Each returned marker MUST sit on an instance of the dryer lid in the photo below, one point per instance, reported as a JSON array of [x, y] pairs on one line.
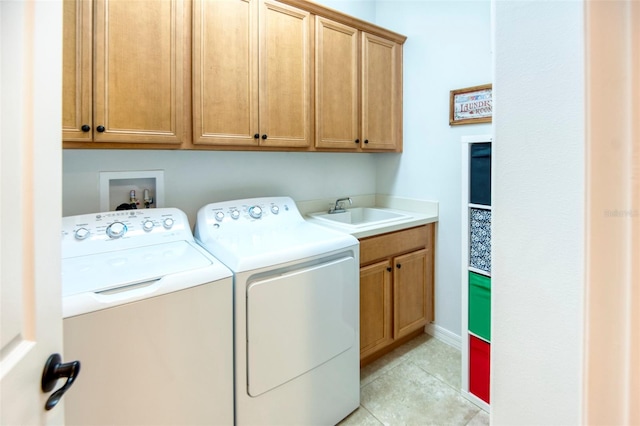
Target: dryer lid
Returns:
[[247, 251]]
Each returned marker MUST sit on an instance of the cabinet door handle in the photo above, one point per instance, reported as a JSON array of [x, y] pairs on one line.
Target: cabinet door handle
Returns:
[[398, 265], [256, 136], [85, 128], [389, 268], [366, 141], [100, 129], [357, 140], [264, 136]]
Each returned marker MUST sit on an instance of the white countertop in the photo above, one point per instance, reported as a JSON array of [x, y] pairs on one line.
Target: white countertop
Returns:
[[419, 212]]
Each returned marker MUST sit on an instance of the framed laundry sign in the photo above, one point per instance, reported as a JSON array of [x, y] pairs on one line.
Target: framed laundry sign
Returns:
[[470, 105]]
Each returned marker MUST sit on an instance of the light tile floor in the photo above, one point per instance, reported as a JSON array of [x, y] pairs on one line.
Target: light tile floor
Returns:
[[416, 384]]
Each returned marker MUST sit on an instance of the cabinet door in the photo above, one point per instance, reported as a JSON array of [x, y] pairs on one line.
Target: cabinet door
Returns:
[[381, 93], [336, 85], [285, 75], [375, 308], [412, 304], [77, 57], [225, 72], [141, 90]]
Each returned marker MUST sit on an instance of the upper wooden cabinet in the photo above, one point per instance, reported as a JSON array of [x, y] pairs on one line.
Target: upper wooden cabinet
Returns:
[[358, 89], [252, 74], [337, 85], [127, 72], [381, 93], [288, 75]]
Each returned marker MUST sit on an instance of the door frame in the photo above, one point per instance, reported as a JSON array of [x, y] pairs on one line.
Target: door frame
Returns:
[[611, 349]]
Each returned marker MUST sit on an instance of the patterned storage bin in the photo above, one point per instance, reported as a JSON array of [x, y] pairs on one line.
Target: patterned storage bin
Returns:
[[480, 239]]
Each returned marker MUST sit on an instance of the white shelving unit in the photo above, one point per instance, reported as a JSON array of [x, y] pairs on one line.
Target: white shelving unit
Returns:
[[466, 266]]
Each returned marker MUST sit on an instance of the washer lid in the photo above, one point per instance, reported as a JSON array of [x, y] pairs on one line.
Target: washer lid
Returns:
[[107, 271]]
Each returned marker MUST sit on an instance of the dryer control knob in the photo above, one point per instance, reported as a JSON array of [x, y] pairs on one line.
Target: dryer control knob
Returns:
[[275, 209], [167, 223], [219, 216], [81, 233], [235, 214], [116, 230], [255, 212], [147, 225]]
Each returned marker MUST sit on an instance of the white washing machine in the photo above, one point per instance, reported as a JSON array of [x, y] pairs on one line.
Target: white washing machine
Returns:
[[297, 342], [149, 315]]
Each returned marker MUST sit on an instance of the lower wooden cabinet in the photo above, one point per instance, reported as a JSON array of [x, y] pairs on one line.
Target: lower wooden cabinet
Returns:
[[396, 289]]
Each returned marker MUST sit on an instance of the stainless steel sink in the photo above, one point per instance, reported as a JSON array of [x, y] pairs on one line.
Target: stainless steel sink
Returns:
[[359, 217]]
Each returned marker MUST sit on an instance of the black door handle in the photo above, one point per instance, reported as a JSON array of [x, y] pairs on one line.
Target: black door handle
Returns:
[[54, 369], [398, 265]]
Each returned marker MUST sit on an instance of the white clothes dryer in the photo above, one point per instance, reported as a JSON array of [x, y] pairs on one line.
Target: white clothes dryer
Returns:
[[149, 314], [296, 289]]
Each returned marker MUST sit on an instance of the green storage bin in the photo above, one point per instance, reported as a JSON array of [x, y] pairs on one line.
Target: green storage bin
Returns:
[[480, 305]]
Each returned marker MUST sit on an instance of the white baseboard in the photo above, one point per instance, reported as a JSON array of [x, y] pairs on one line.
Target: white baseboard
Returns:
[[444, 335], [477, 401]]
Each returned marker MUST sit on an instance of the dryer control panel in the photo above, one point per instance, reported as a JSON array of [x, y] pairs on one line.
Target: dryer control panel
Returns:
[[237, 215]]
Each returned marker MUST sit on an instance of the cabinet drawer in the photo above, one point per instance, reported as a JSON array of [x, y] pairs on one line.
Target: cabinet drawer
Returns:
[[382, 246]]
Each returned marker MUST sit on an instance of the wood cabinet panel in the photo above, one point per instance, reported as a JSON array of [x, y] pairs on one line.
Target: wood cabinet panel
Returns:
[[336, 83], [225, 73], [378, 247], [376, 319], [410, 292], [381, 93], [139, 90], [285, 75], [77, 75]]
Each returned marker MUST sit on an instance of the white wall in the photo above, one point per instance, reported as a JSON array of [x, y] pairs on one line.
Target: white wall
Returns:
[[362, 9], [195, 178], [448, 47], [538, 213]]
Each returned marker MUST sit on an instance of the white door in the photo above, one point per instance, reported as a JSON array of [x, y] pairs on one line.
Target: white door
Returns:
[[30, 206]]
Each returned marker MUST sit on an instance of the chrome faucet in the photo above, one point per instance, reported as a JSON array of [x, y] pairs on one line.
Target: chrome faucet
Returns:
[[339, 207]]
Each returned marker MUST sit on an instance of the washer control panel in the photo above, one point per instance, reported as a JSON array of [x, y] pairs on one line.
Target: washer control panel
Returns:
[[88, 233]]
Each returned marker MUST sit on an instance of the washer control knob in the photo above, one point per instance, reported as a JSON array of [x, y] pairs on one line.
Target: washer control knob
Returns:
[[275, 209], [147, 225], [219, 216], [255, 212], [81, 233], [116, 230], [235, 214], [167, 223]]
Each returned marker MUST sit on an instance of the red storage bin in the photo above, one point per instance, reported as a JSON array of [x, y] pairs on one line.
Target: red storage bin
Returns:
[[479, 368]]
